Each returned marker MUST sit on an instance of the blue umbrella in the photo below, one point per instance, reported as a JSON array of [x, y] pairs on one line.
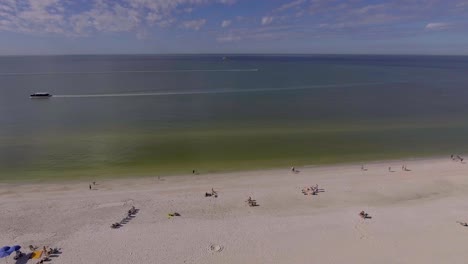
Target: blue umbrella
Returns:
[[13, 249], [4, 252]]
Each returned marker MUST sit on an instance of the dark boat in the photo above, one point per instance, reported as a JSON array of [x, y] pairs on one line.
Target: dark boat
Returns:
[[40, 95]]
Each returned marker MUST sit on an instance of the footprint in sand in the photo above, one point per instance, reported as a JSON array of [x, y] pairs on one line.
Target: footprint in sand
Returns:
[[216, 248]]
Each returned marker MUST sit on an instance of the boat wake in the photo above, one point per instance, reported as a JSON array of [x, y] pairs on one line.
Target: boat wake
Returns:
[[220, 91], [119, 72]]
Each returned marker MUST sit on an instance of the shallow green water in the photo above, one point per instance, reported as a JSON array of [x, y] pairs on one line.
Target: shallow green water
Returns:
[[284, 111]]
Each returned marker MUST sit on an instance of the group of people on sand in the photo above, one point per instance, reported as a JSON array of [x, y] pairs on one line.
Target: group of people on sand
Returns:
[[212, 193], [294, 170], [403, 168], [251, 202], [364, 215], [456, 158], [91, 186], [130, 213], [46, 252], [314, 190]]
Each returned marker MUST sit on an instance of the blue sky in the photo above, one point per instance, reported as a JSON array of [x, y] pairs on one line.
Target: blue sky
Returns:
[[233, 26]]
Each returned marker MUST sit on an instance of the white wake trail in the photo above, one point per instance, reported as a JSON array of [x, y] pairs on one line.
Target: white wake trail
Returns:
[[218, 91], [117, 72]]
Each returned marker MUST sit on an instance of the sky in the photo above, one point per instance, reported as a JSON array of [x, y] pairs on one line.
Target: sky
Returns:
[[233, 26]]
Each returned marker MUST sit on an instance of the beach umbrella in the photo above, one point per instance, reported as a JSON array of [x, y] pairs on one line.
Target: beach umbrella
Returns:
[[13, 249], [5, 252]]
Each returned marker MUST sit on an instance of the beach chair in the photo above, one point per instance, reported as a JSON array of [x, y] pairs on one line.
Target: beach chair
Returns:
[[364, 215], [173, 214], [116, 225], [253, 203]]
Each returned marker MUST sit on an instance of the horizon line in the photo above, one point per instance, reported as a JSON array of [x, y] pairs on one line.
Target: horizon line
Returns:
[[233, 54]]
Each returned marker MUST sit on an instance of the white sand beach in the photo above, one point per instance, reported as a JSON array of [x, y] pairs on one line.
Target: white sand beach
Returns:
[[414, 216]]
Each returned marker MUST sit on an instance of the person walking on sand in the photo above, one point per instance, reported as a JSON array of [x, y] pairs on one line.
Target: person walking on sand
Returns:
[[390, 169], [90, 186]]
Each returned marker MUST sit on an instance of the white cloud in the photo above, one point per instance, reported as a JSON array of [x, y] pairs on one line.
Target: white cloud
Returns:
[[228, 38], [437, 26], [265, 33], [106, 18], [226, 23], [140, 17], [194, 24], [227, 2], [61, 17], [35, 15], [266, 20], [290, 5]]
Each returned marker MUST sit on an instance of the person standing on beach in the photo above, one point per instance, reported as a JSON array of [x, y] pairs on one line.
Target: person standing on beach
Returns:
[[90, 186]]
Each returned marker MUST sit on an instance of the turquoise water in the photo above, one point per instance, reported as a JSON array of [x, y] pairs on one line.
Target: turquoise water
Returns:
[[132, 115]]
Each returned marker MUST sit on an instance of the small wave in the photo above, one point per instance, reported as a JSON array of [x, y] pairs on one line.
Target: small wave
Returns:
[[116, 72], [221, 91]]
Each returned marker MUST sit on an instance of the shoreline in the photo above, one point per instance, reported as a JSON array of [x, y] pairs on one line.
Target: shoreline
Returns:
[[136, 176]]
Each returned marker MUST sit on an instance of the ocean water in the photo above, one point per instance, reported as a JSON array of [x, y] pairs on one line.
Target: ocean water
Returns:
[[158, 115]]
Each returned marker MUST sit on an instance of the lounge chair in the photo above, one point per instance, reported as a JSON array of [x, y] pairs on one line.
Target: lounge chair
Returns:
[[173, 214], [253, 203], [364, 215], [250, 200], [116, 225], [53, 251]]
